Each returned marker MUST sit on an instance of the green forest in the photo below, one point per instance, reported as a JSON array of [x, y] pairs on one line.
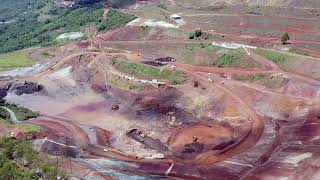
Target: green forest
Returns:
[[43, 21], [19, 161]]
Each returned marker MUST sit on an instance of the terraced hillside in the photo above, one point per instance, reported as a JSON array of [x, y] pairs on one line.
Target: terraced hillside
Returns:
[[162, 89]]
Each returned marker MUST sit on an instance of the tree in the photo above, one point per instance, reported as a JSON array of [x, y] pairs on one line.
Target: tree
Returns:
[[285, 37], [196, 34]]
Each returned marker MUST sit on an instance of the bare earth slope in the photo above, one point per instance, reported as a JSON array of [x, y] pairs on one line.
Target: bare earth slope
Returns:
[[293, 3], [276, 3]]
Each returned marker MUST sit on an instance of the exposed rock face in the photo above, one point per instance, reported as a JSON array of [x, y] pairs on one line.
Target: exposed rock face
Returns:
[[19, 88], [59, 149], [147, 141], [24, 88], [3, 93], [165, 59]]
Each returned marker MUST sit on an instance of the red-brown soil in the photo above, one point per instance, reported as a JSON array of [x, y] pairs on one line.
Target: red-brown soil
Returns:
[[224, 128]]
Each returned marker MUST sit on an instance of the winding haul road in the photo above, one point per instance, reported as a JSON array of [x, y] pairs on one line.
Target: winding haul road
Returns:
[[204, 158], [68, 128]]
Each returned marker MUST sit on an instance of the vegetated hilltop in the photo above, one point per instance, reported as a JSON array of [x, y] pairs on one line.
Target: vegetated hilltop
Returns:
[[11, 9], [40, 22], [20, 161], [112, 3], [122, 3]]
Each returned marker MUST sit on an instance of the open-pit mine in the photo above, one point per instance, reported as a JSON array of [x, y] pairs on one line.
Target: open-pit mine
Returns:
[[186, 90]]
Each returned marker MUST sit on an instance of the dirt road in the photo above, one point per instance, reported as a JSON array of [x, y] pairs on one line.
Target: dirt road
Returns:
[[251, 138]]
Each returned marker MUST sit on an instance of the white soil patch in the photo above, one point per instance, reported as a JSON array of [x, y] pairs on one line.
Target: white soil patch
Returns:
[[33, 70], [151, 23], [52, 104], [64, 75], [71, 35], [232, 45], [134, 22], [295, 159], [178, 19]]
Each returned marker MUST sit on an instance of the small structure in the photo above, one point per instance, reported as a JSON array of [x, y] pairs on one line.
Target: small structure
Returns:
[[196, 84], [178, 19], [194, 139], [173, 67], [115, 107], [141, 134], [66, 3], [225, 76], [155, 63], [166, 59], [26, 88], [175, 17]]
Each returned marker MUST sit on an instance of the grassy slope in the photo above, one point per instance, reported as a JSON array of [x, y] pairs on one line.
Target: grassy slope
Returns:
[[15, 59], [149, 72], [279, 59], [304, 52], [21, 112], [297, 63], [251, 77], [29, 127], [235, 58], [25, 127], [22, 115], [122, 83], [115, 19]]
